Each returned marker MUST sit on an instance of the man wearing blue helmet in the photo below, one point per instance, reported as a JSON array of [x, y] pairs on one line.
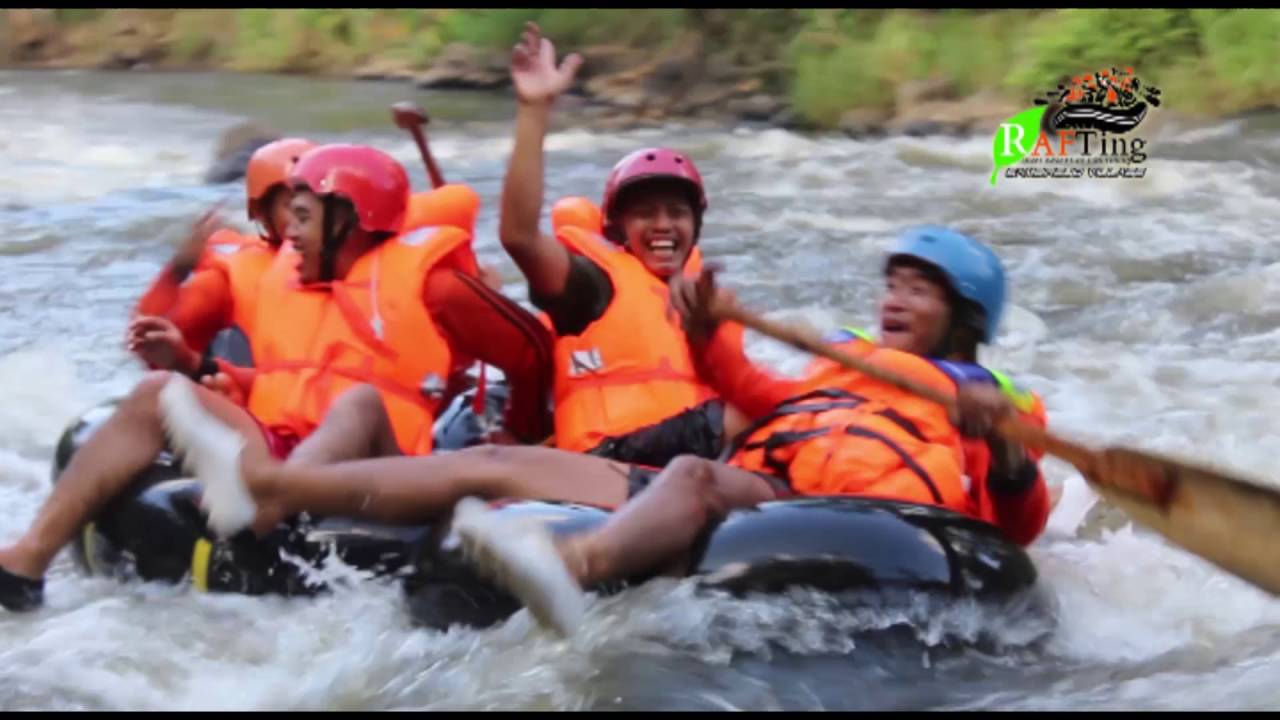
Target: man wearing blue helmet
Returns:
[[833, 432], [967, 272]]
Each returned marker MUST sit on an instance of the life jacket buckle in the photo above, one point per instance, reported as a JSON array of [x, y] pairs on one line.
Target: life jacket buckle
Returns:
[[432, 387]]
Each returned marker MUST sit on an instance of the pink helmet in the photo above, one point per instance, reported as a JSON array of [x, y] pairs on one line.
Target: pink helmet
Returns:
[[652, 164]]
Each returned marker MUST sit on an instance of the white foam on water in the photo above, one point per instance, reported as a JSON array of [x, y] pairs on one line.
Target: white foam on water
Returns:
[[93, 148]]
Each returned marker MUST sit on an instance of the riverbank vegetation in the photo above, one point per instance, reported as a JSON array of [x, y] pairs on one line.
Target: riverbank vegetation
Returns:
[[819, 65]]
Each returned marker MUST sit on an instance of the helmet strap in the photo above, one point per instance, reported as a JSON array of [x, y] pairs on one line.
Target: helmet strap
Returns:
[[262, 218], [271, 234], [268, 232], [964, 332], [334, 235], [613, 233]]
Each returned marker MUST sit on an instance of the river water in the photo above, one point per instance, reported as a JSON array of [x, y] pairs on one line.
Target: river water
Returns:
[[1146, 313]]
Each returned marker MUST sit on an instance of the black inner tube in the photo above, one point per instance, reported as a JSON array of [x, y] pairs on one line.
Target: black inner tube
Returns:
[[155, 531]]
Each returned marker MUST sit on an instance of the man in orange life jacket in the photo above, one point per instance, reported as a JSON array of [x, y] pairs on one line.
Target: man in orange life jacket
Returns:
[[178, 317], [211, 282], [625, 386], [835, 432], [351, 361]]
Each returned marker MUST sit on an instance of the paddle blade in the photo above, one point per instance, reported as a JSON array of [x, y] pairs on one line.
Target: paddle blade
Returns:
[[408, 115], [1228, 521]]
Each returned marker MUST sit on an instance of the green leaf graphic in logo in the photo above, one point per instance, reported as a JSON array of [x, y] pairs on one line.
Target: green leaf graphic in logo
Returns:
[[1015, 138]]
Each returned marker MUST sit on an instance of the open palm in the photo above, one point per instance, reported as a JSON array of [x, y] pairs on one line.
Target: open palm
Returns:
[[533, 68]]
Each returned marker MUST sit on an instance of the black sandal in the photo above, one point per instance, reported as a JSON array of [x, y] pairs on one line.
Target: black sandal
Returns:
[[20, 594]]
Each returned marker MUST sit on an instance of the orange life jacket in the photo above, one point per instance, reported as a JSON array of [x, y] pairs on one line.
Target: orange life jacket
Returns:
[[571, 212], [245, 260], [455, 205], [223, 243], [849, 434], [1032, 510], [370, 327], [579, 212], [629, 369], [576, 212]]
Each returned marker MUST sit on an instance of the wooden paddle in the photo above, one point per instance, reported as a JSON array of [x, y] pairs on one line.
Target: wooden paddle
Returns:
[[411, 117], [1231, 522]]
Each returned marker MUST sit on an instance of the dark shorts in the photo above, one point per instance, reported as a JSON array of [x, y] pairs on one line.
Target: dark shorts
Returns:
[[640, 477], [697, 431]]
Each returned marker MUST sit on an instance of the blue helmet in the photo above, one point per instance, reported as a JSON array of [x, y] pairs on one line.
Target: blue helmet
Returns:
[[974, 271]]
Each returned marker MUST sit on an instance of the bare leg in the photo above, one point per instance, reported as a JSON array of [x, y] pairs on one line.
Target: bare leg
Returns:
[[106, 465], [663, 521], [356, 426], [406, 490]]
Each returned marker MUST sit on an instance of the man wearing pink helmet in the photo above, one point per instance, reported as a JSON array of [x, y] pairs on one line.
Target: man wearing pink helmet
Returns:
[[625, 385]]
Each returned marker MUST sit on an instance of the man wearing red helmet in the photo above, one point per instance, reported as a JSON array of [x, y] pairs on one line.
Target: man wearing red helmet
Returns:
[[211, 282], [413, 343], [350, 359], [178, 317], [625, 385]]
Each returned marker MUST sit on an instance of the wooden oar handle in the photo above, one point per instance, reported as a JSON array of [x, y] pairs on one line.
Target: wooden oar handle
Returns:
[[411, 117], [811, 342], [433, 170], [1012, 427], [1028, 435]]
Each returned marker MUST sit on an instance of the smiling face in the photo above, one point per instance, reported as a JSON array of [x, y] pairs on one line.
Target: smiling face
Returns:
[[658, 222], [915, 311], [305, 232]]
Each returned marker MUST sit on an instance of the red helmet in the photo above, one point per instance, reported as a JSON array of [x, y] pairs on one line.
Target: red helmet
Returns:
[[375, 184], [651, 164], [269, 167]]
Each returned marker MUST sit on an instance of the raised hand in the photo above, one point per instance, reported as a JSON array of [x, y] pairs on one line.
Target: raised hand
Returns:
[[699, 301], [189, 252], [534, 74]]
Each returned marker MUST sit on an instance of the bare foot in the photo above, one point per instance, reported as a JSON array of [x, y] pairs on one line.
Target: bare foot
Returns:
[[573, 553], [1055, 496], [211, 450], [521, 557], [260, 473]]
